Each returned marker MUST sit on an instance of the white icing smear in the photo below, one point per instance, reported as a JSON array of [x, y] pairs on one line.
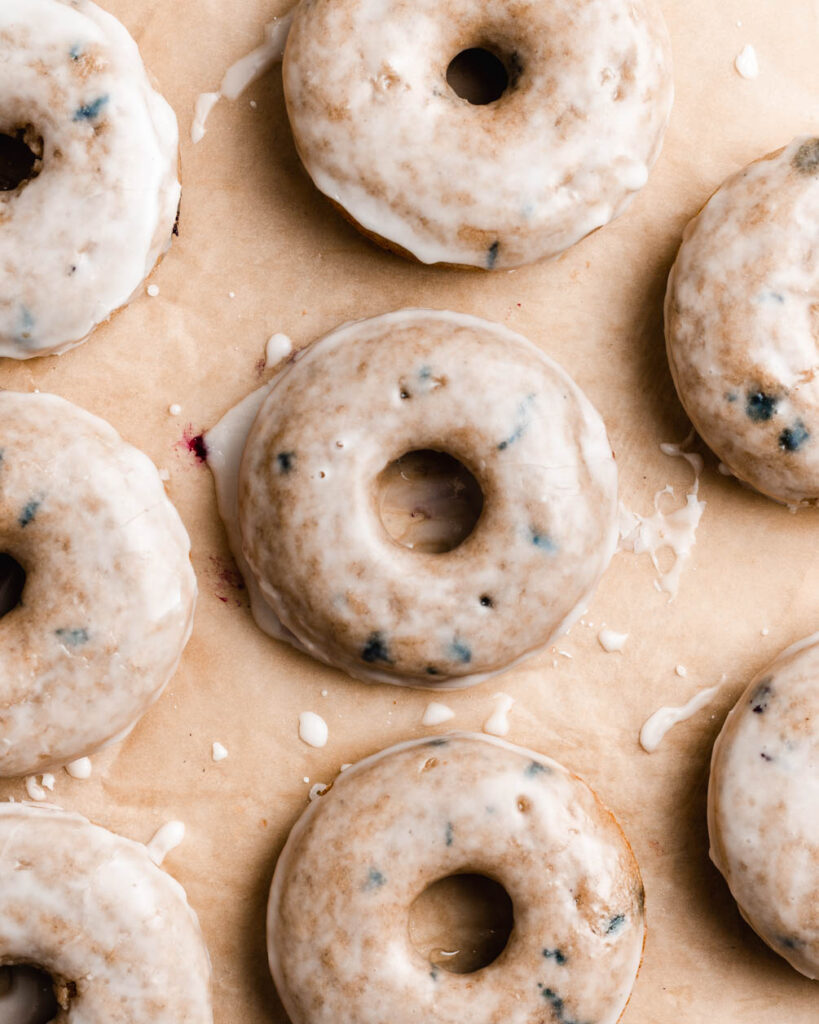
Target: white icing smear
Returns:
[[80, 769], [34, 789], [278, 347], [166, 838], [498, 722], [675, 530], [436, 713], [612, 641], [312, 729], [218, 752], [655, 727], [243, 73], [747, 63]]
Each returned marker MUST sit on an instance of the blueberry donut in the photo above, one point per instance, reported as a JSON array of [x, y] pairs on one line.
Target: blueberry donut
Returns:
[[763, 797], [576, 103], [394, 824], [370, 393], [114, 931], [88, 173], [96, 582], [742, 319]]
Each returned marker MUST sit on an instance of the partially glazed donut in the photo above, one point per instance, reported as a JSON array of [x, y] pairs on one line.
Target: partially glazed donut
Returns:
[[763, 805], [107, 605], [368, 394], [97, 150], [337, 925], [115, 932], [741, 321], [421, 169]]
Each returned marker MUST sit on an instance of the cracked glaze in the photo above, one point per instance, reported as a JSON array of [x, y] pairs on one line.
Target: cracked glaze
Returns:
[[338, 934], [763, 798], [560, 154], [92, 909], [77, 240], [109, 594], [417, 379], [742, 323]]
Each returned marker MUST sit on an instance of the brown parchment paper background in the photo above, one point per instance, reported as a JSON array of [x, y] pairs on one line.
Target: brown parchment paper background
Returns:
[[252, 224]]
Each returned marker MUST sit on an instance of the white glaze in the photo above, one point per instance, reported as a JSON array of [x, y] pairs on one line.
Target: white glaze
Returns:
[[611, 641], [498, 722], [243, 73], [338, 938], [657, 725], [747, 63], [91, 908], [741, 322], [166, 838], [109, 595], [551, 482], [560, 154], [763, 797], [436, 714], [218, 751], [80, 769], [78, 240], [675, 530], [313, 729]]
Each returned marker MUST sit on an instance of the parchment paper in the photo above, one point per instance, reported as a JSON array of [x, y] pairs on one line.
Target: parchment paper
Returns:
[[252, 224]]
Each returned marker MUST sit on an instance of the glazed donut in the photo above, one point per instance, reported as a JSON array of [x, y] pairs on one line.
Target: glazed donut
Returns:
[[741, 321], [435, 177], [90, 205], [115, 932], [763, 797], [369, 393], [337, 934], [107, 603]]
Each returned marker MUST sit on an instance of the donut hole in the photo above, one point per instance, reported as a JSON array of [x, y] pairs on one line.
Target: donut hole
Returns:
[[461, 923], [21, 158], [27, 995], [478, 76], [428, 501], [12, 581]]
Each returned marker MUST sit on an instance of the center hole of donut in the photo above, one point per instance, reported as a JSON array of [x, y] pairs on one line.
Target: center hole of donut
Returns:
[[478, 76], [428, 501], [27, 995], [12, 581], [21, 154], [461, 923]]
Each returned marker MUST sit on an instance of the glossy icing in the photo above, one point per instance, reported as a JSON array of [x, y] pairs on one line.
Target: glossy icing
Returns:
[[763, 798], [78, 240], [560, 154], [742, 317], [337, 926], [363, 396], [109, 593]]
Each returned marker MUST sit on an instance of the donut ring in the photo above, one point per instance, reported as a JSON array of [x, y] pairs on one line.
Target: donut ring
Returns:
[[762, 800], [425, 172], [97, 209], [741, 321], [90, 907], [393, 824], [417, 379], [108, 600]]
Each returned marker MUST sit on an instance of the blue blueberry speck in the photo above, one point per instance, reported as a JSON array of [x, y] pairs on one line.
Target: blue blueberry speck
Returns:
[[29, 512], [536, 768], [542, 540], [616, 923], [761, 696], [555, 954], [374, 880], [492, 255], [375, 649], [460, 652], [73, 637], [285, 460], [792, 438], [521, 423], [760, 407], [76, 51], [89, 111], [448, 834]]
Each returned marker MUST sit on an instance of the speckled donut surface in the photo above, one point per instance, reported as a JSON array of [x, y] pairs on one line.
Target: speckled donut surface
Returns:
[[109, 593], [763, 805], [742, 321], [559, 154], [418, 379], [77, 239], [338, 937], [90, 907]]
